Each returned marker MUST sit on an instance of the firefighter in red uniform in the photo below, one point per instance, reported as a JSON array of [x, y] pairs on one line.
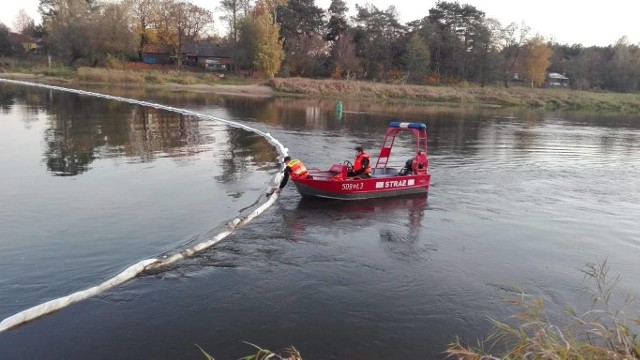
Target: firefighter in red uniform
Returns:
[[362, 164]]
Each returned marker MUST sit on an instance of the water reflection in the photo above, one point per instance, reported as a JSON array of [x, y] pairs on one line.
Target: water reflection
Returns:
[[452, 129], [245, 152], [401, 219], [81, 129], [6, 100]]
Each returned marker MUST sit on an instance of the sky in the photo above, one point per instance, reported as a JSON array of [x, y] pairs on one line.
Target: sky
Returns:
[[564, 21]]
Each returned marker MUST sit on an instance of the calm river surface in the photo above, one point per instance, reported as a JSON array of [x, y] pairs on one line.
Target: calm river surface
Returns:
[[89, 186]]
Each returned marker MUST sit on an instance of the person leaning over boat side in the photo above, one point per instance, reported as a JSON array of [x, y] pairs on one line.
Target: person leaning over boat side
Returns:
[[294, 168], [362, 164]]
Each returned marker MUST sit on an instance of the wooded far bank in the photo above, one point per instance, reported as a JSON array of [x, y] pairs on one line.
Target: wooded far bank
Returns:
[[453, 44]]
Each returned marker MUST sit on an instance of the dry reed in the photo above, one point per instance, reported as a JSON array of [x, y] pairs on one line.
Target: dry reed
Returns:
[[600, 333]]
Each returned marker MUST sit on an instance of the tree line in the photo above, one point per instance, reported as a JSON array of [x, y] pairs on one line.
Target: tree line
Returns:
[[454, 43]]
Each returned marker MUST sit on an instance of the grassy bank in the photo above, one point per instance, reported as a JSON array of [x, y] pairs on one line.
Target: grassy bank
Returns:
[[146, 76], [495, 95], [554, 99], [122, 75]]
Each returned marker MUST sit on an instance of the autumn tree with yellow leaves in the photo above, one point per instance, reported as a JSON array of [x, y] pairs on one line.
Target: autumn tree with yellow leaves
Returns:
[[269, 53], [537, 60]]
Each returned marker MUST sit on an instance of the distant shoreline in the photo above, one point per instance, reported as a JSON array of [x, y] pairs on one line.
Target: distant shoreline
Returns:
[[494, 96], [251, 90]]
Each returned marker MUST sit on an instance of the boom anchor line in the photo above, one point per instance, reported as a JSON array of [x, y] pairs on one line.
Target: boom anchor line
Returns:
[[153, 263]]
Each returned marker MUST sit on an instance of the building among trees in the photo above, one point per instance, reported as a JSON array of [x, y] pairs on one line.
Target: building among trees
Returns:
[[208, 56], [158, 54], [205, 55], [557, 80]]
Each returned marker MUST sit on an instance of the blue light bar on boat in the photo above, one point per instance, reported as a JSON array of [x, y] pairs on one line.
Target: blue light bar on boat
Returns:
[[406, 125]]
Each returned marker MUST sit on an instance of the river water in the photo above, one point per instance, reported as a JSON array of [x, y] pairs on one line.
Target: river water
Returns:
[[519, 199]]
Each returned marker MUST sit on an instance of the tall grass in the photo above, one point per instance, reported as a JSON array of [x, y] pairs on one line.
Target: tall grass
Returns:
[[144, 76], [553, 99], [56, 71], [600, 333], [109, 75]]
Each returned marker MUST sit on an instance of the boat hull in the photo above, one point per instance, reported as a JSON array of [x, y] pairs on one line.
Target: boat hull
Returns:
[[357, 189]]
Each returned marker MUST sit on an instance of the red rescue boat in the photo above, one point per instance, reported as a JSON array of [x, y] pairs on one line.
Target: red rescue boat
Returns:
[[413, 178]]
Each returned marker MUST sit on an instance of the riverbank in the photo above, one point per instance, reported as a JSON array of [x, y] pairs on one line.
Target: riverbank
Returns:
[[244, 89], [552, 99], [497, 96]]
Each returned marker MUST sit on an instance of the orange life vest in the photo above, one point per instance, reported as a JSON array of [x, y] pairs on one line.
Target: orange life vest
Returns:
[[298, 171], [358, 163]]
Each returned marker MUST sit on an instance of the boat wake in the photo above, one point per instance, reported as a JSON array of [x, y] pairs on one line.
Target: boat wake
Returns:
[[153, 263]]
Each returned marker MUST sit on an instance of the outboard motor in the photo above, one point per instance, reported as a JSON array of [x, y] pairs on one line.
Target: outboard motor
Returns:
[[407, 169]]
